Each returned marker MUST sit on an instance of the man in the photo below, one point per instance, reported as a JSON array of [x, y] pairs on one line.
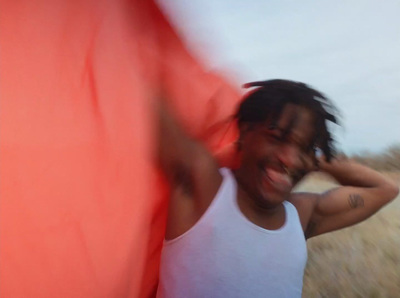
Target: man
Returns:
[[241, 232]]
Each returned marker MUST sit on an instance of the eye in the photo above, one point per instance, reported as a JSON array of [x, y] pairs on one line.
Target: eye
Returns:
[[277, 137], [296, 142], [274, 137], [273, 134]]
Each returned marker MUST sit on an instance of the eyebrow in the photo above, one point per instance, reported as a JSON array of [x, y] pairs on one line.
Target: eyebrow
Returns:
[[288, 131]]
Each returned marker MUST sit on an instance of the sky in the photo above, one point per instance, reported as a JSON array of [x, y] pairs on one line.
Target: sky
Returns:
[[349, 50]]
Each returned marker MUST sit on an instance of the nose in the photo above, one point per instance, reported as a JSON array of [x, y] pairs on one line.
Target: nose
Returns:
[[289, 156]]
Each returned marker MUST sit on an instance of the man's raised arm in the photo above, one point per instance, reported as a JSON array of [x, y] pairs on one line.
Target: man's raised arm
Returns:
[[364, 192], [191, 172]]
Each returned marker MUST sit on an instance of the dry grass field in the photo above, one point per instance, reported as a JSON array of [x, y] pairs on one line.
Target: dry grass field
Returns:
[[360, 261]]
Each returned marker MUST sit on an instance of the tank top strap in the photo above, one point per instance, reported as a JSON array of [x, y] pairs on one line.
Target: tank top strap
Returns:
[[228, 185], [291, 214]]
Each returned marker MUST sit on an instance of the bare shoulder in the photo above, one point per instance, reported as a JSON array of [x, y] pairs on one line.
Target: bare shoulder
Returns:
[[305, 203]]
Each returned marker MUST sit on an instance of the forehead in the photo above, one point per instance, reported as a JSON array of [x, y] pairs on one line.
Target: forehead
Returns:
[[298, 121]]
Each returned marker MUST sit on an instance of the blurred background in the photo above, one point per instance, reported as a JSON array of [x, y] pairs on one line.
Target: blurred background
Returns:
[[351, 52], [360, 261], [348, 50]]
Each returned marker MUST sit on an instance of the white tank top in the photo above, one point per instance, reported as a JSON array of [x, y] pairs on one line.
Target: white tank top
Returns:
[[225, 255]]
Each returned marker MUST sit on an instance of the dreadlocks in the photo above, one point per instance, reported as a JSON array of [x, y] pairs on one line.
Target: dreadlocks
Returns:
[[268, 100]]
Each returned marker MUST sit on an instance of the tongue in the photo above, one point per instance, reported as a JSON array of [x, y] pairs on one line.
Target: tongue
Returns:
[[282, 180]]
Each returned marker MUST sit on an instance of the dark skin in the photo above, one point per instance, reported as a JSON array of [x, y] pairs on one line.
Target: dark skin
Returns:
[[280, 148], [271, 161]]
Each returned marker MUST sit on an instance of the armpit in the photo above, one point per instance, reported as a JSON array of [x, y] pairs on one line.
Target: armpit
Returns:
[[182, 178]]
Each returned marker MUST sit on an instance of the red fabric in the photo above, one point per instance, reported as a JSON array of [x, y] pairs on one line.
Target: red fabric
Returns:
[[82, 206]]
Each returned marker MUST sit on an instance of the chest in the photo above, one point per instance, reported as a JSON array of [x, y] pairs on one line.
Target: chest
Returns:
[[232, 241]]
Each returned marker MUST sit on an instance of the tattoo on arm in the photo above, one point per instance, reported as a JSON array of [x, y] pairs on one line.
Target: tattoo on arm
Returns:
[[310, 229], [356, 201]]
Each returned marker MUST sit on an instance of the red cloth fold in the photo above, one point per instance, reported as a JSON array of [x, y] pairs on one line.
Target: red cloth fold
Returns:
[[83, 208]]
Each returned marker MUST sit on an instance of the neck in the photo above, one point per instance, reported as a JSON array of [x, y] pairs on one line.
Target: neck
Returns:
[[257, 205]]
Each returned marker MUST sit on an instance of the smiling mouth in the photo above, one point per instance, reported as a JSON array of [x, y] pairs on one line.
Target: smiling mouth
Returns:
[[278, 178]]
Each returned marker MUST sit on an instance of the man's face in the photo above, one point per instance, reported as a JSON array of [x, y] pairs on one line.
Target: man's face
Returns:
[[275, 158]]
